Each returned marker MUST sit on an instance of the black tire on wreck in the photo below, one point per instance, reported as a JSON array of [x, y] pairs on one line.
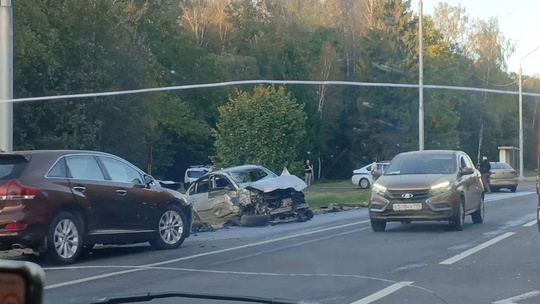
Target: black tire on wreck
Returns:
[[254, 220]]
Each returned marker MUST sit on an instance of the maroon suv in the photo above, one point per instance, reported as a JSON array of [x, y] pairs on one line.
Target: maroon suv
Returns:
[[59, 201]]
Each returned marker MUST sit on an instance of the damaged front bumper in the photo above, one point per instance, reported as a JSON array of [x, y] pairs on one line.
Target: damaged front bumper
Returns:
[[280, 199]]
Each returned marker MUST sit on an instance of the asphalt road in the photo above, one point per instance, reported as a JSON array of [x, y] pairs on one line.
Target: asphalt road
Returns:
[[334, 258]]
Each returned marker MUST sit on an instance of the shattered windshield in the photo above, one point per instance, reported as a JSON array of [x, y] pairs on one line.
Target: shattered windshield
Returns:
[[251, 175], [422, 164]]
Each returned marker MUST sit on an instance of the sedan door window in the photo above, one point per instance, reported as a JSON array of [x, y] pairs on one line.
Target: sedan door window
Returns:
[[84, 167], [121, 172], [468, 162], [203, 186], [220, 182], [463, 164]]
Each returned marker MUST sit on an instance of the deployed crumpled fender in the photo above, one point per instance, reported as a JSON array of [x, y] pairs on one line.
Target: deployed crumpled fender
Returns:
[[225, 207], [280, 182], [279, 198]]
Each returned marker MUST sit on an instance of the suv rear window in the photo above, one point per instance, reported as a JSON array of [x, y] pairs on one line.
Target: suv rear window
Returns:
[[11, 166], [196, 173]]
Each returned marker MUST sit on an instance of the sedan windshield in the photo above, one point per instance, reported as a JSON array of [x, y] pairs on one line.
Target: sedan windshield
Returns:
[[422, 164]]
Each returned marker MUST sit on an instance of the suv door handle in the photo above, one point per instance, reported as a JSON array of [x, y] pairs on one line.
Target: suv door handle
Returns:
[[121, 192], [79, 188]]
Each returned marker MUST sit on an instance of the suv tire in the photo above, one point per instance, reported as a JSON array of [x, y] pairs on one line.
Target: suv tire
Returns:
[[478, 215], [65, 238], [378, 226], [457, 223], [168, 234]]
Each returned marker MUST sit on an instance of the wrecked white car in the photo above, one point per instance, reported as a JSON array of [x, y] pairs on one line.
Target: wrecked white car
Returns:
[[249, 195]]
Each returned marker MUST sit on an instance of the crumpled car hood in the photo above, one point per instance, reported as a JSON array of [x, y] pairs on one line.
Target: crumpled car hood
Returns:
[[280, 182]]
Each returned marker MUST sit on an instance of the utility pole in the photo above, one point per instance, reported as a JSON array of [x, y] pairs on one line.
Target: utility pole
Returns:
[[420, 78], [520, 80], [6, 75]]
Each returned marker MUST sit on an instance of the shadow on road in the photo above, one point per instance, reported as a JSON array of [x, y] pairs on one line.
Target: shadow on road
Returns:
[[87, 255], [430, 227]]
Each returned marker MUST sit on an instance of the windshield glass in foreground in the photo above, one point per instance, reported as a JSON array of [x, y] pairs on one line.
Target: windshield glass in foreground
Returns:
[[422, 164]]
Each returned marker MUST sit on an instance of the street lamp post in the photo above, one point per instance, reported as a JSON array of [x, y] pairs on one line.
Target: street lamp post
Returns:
[[6, 75], [520, 81], [420, 79]]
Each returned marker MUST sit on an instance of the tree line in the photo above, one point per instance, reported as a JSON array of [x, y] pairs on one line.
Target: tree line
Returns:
[[71, 46]]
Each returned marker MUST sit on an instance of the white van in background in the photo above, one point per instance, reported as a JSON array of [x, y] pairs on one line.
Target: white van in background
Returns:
[[193, 173]]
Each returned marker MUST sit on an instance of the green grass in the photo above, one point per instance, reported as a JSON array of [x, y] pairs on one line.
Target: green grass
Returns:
[[333, 183], [318, 199]]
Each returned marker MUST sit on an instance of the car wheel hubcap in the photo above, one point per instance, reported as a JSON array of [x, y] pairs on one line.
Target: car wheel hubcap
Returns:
[[364, 183], [171, 227], [66, 239]]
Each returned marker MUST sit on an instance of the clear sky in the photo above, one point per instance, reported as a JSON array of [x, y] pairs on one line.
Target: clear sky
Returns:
[[519, 21]]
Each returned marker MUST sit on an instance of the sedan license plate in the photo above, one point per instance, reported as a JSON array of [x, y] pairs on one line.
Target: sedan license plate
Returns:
[[407, 207]]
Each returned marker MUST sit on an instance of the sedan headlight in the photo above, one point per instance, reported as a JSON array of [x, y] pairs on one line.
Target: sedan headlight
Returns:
[[440, 188], [379, 189]]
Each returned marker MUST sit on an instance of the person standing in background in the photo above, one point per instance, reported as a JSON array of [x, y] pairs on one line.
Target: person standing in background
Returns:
[[485, 168], [374, 170], [308, 170]]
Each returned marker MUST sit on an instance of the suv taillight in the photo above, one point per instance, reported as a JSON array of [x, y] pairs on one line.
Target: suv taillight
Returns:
[[14, 190], [15, 226]]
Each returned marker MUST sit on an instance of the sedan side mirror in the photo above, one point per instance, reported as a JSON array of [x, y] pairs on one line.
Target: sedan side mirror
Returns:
[[466, 171]]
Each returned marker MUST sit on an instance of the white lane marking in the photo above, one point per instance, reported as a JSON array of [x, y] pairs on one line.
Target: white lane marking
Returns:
[[143, 267], [473, 250], [272, 274], [530, 224], [280, 248], [247, 273], [516, 299], [383, 293], [502, 196]]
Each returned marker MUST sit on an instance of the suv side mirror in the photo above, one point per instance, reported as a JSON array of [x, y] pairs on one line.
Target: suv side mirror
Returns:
[[148, 180], [466, 171]]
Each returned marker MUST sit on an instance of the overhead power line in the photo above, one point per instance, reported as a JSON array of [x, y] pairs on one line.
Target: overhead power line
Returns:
[[245, 82]]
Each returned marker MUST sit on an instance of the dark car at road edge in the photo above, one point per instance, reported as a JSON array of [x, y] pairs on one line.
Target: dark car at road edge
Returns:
[[58, 202]]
